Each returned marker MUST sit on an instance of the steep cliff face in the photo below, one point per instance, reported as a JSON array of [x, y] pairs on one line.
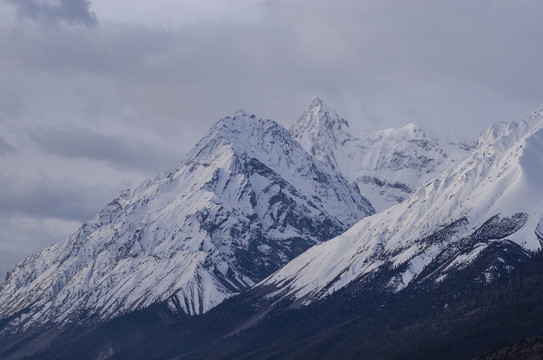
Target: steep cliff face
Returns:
[[388, 165], [246, 200]]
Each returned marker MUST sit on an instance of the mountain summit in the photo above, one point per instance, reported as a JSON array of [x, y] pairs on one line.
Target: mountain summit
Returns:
[[322, 132], [388, 165], [246, 200]]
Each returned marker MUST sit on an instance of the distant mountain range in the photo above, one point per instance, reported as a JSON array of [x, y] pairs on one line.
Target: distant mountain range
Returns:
[[284, 223]]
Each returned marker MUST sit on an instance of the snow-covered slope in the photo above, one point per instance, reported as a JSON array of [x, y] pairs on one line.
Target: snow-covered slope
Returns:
[[491, 202], [387, 165], [246, 200]]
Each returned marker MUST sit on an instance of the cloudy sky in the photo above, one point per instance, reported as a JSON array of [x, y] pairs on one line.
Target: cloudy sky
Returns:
[[96, 96]]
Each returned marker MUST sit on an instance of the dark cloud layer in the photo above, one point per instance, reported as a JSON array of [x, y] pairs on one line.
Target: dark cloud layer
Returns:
[[46, 198], [454, 64], [117, 150], [52, 12], [21, 239], [27, 207]]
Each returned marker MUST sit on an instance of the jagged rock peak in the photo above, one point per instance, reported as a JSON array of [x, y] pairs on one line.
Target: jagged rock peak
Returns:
[[247, 134], [230, 127], [319, 115], [240, 121], [320, 131]]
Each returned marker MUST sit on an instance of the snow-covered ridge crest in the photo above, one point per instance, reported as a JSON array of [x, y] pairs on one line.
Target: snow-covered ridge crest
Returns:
[[492, 197], [388, 164], [246, 200]]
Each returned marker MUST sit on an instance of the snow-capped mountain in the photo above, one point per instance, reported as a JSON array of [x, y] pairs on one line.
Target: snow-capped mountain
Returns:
[[387, 165], [489, 206], [246, 200]]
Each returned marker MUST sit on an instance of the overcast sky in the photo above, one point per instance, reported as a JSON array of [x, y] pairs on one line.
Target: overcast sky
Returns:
[[96, 96]]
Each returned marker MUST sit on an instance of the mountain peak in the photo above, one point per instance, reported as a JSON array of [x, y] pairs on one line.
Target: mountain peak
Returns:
[[413, 127], [319, 114], [242, 114], [246, 200], [244, 133], [416, 131], [320, 130], [316, 102]]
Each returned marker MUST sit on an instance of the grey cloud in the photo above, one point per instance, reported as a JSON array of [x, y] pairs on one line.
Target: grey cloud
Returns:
[[21, 243], [34, 214], [20, 237], [69, 11], [456, 64], [116, 150], [6, 262], [6, 148], [52, 199]]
